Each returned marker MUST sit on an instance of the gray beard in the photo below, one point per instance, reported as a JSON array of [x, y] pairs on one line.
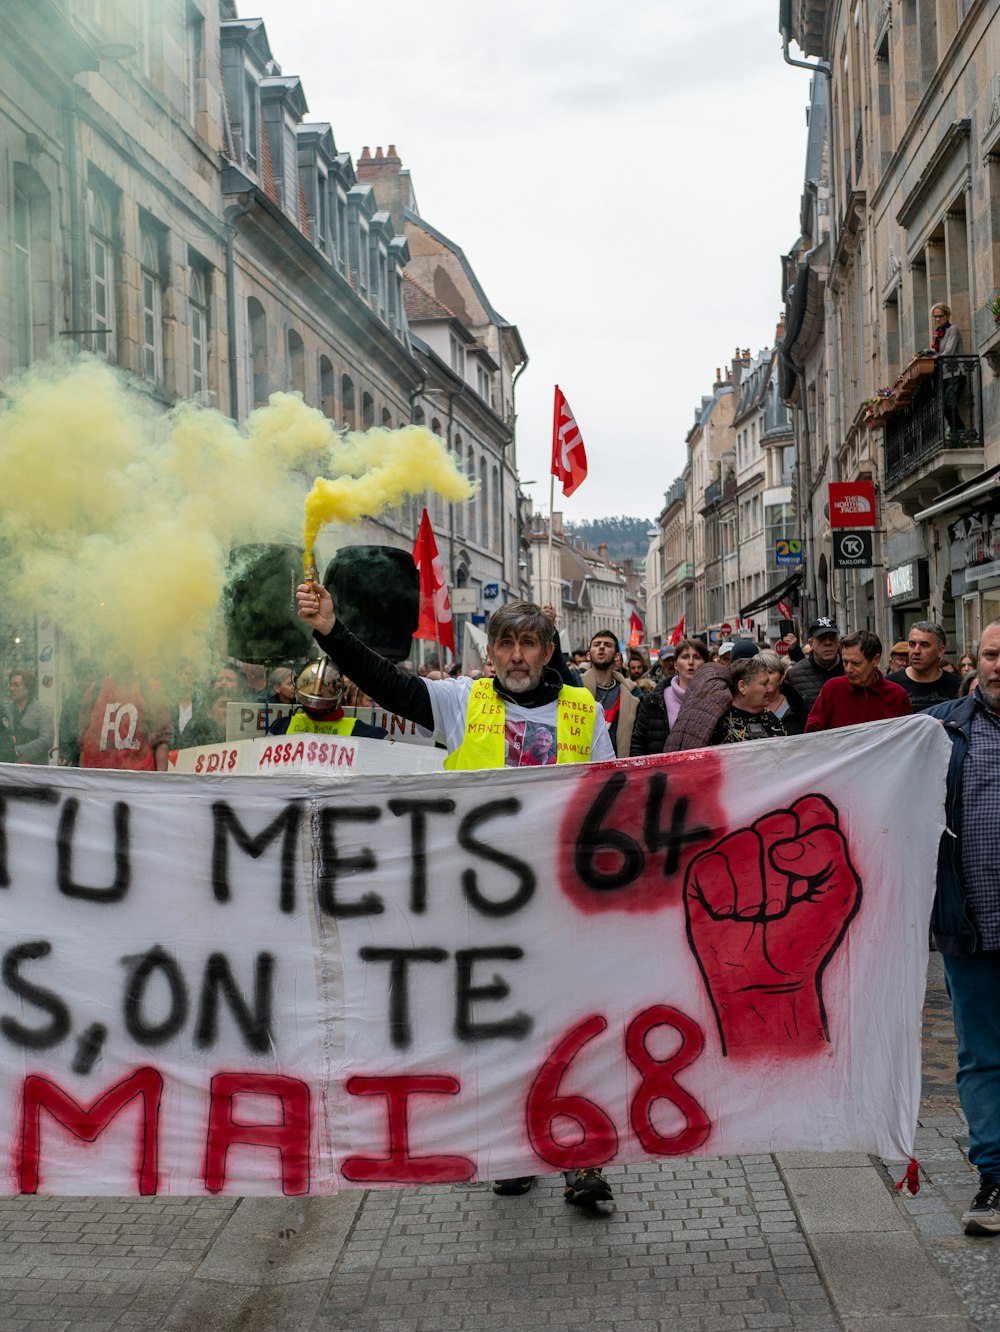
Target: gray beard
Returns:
[[992, 700], [520, 685]]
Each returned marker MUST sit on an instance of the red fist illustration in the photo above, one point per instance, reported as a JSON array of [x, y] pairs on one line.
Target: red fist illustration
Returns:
[[767, 908]]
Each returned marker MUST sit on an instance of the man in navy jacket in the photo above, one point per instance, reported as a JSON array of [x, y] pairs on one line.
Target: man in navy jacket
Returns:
[[966, 918]]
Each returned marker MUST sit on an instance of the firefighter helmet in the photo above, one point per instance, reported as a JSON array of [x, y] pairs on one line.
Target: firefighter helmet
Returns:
[[320, 686]]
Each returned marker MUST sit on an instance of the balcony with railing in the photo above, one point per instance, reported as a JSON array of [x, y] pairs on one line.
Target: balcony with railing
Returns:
[[681, 575], [933, 432]]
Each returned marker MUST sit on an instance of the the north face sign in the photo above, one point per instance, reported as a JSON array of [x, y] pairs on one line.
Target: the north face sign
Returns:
[[852, 503]]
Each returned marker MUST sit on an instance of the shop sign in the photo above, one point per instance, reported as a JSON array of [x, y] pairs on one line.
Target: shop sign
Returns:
[[852, 503]]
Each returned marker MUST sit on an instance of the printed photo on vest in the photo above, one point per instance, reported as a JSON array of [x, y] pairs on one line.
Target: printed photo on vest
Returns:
[[536, 745]]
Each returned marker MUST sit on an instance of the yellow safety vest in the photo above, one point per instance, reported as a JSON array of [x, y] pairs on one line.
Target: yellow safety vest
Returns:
[[301, 722], [483, 743]]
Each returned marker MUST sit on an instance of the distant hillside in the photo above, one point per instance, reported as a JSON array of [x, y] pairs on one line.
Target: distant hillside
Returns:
[[624, 536]]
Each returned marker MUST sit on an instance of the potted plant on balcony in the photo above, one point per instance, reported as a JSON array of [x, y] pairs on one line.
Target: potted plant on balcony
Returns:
[[993, 305], [922, 363]]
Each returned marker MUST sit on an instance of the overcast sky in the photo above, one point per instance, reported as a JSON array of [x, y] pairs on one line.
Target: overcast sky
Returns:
[[622, 177]]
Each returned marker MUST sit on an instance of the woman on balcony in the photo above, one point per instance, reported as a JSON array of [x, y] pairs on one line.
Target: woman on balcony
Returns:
[[947, 342]]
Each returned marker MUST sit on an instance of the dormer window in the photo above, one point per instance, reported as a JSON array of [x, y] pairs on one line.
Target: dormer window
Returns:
[[251, 121], [458, 356]]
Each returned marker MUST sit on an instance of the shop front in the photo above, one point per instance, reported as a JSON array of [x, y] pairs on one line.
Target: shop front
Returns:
[[968, 524]]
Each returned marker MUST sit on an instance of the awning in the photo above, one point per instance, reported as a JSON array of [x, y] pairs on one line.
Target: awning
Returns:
[[773, 595], [971, 490]]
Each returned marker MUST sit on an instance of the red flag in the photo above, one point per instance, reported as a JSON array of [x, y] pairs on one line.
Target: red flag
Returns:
[[637, 630], [435, 621], [569, 458], [678, 635]]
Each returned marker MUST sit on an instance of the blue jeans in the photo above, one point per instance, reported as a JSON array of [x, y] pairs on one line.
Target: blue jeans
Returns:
[[974, 986]]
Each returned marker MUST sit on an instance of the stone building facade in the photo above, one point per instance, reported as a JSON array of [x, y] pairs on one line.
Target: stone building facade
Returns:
[[166, 203], [907, 180]]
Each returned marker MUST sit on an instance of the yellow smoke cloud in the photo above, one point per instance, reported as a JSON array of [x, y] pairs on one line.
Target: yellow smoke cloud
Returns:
[[378, 470], [117, 520]]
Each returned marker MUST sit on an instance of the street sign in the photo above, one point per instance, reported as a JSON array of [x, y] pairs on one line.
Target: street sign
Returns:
[[788, 550], [726, 630], [852, 504], [785, 611], [491, 591], [464, 600], [852, 550]]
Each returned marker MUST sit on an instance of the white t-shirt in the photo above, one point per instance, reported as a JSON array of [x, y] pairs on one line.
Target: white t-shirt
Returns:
[[530, 732]]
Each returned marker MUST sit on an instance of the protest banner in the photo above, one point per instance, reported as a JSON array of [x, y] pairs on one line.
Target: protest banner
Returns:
[[232, 985]]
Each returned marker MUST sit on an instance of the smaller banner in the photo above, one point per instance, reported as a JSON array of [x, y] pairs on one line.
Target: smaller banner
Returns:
[[435, 623], [569, 457]]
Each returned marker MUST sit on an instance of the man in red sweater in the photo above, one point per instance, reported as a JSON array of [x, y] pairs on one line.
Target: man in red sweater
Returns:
[[862, 693]]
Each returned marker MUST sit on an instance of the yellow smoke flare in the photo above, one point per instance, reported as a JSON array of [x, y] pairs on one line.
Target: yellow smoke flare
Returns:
[[379, 469], [116, 520]]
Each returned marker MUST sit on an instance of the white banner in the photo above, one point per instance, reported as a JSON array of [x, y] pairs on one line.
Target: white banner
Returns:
[[227, 984]]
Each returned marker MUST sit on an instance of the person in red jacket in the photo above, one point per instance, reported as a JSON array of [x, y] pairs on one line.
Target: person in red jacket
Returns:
[[862, 693]]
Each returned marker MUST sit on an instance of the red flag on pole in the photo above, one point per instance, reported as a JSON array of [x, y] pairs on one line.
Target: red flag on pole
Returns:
[[678, 635], [569, 458], [637, 629], [435, 607]]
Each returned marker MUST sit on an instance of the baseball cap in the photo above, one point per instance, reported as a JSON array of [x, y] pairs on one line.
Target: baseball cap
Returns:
[[725, 648], [667, 651], [746, 647], [824, 625]]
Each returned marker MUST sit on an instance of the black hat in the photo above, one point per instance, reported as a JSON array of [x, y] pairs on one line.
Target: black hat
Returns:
[[824, 625], [743, 647]]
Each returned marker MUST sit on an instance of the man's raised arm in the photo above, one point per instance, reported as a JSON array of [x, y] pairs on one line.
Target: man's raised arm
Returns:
[[406, 695]]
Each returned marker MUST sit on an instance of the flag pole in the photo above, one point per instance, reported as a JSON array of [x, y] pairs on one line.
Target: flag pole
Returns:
[[552, 500]]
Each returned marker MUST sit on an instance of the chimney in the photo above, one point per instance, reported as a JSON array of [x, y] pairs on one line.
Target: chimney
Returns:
[[602, 550], [382, 172]]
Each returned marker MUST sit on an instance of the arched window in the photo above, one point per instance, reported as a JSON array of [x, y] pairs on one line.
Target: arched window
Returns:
[[484, 506], [257, 348], [386, 419], [327, 397], [34, 293], [102, 276], [296, 363], [23, 312], [495, 498], [198, 303], [418, 416], [347, 402], [460, 505], [367, 411], [437, 503], [152, 311]]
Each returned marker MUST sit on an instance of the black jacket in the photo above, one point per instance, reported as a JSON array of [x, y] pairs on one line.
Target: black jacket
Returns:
[[649, 731]]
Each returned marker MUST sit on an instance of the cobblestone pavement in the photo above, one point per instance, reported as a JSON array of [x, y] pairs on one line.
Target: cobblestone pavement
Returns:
[[798, 1241]]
